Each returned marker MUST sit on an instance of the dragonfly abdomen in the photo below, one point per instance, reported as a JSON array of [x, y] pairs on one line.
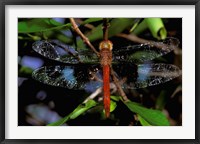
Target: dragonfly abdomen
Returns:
[[105, 60]]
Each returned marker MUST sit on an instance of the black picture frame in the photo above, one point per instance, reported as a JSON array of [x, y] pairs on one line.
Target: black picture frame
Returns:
[[4, 3]]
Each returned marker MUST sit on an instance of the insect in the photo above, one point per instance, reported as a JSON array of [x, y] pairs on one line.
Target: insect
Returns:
[[83, 69]]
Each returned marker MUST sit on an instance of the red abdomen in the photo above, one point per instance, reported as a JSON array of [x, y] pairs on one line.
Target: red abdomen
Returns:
[[106, 89]]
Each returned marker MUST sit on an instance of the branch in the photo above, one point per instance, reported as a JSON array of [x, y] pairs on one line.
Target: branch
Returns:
[[89, 26], [84, 38], [93, 95], [133, 38], [105, 28]]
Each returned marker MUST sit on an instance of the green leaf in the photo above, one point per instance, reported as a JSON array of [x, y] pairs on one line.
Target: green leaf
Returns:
[[25, 71], [140, 28], [113, 105], [117, 25], [156, 27], [63, 38], [77, 112], [153, 117], [95, 33], [53, 22], [91, 20], [35, 38], [137, 21], [115, 98], [161, 100], [143, 121], [82, 108], [40, 25], [59, 122]]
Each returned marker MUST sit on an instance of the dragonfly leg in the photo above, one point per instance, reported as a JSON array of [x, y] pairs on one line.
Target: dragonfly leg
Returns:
[[118, 85], [95, 77]]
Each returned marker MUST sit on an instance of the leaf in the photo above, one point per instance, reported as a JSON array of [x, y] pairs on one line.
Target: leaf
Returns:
[[143, 121], [40, 25], [115, 98], [25, 71], [140, 28], [82, 108], [137, 21], [59, 122], [63, 38], [77, 112], [153, 117], [91, 20], [113, 105], [117, 25], [35, 38], [156, 27], [161, 100], [53, 22]]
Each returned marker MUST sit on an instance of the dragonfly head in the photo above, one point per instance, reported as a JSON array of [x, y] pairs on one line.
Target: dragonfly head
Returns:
[[106, 44]]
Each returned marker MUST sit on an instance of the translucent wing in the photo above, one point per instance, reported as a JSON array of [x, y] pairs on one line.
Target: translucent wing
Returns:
[[145, 52], [90, 78], [56, 50], [70, 77], [79, 77], [145, 75]]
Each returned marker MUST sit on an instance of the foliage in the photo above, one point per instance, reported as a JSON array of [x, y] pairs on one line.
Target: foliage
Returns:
[[82, 108]]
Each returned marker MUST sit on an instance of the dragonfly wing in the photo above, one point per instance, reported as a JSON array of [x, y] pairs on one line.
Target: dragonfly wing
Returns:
[[145, 52], [70, 77], [56, 50], [145, 75]]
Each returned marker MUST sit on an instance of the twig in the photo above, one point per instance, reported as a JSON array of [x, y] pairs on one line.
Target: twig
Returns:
[[93, 95], [133, 38], [105, 28], [84, 38], [178, 89], [89, 26], [97, 92], [113, 87], [95, 77]]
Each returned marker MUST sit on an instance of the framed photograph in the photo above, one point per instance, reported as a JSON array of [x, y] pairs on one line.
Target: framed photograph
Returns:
[[100, 72]]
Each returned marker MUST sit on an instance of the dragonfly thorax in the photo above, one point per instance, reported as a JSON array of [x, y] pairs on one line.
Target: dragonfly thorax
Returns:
[[106, 44]]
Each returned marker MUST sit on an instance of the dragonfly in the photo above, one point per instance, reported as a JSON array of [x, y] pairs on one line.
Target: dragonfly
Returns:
[[83, 69]]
